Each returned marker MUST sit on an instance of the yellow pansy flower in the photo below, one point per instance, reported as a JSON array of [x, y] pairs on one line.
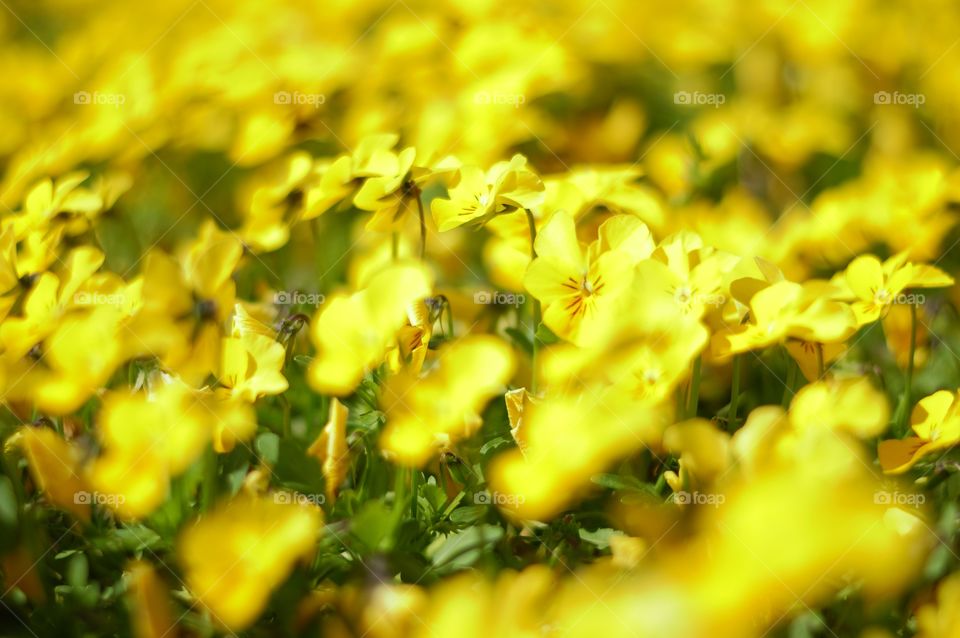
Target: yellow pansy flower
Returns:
[[353, 333], [704, 452], [939, 618], [687, 273], [49, 297], [580, 288], [147, 598], [251, 362], [789, 310], [617, 189], [55, 466], [148, 439], [235, 556], [877, 285], [479, 196], [331, 449], [429, 413], [851, 405], [936, 422]]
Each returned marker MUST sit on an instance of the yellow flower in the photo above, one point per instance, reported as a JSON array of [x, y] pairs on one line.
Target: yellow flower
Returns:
[[353, 333], [580, 289], [613, 188], [47, 199], [936, 421], [251, 362], [479, 196], [704, 452], [55, 467], [786, 310], [48, 299], [148, 439], [941, 617], [570, 437], [413, 339], [278, 200], [687, 273], [520, 406], [148, 602], [852, 405], [331, 449], [234, 557], [443, 407], [876, 286]]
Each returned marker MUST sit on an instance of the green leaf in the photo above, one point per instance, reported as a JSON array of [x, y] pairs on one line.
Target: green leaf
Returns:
[[462, 549], [599, 538], [268, 447], [372, 525]]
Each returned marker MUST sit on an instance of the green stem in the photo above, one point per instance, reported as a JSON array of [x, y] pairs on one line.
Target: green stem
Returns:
[[734, 392], [537, 318], [208, 487], [395, 246], [821, 369], [414, 481], [904, 408], [423, 224], [694, 398], [791, 381]]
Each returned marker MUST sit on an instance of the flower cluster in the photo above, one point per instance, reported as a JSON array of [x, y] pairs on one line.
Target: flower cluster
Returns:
[[488, 318]]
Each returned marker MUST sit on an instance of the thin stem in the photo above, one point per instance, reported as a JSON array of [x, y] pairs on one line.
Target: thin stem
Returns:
[[423, 223], [791, 381], [414, 480], [694, 398], [536, 305], [208, 486], [734, 392], [395, 245], [821, 368], [904, 412]]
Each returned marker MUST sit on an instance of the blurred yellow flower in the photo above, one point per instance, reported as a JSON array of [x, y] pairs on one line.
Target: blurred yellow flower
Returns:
[[234, 557]]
